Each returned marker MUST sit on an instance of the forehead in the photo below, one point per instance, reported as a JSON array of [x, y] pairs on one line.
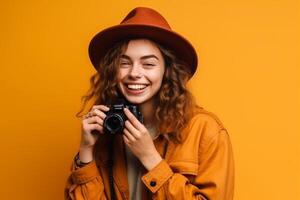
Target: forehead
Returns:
[[141, 47]]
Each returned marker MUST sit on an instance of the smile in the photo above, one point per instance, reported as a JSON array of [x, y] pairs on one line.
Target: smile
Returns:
[[136, 86]]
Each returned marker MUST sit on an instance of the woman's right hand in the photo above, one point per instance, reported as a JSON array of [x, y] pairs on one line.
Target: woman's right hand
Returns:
[[92, 126]]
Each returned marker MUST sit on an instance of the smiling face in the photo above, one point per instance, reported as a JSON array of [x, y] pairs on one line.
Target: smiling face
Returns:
[[141, 71]]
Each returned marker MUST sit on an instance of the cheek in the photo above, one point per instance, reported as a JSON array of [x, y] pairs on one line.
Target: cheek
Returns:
[[161, 74], [157, 78], [121, 75]]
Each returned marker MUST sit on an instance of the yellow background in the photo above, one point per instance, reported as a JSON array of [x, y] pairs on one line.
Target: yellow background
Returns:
[[248, 75]]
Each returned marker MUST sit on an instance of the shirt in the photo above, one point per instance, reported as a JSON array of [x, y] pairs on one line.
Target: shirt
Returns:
[[134, 171]]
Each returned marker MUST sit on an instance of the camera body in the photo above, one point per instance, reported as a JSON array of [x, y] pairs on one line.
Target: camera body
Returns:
[[114, 121]]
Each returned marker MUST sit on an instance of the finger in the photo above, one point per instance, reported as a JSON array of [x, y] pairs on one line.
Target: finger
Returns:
[[96, 128], [129, 136], [130, 128], [126, 140], [94, 119], [101, 107], [135, 122], [99, 113]]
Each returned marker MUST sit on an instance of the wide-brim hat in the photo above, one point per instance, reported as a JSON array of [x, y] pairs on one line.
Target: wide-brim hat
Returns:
[[143, 22]]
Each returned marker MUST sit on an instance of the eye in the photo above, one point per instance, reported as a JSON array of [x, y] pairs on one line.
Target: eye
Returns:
[[124, 64], [149, 64]]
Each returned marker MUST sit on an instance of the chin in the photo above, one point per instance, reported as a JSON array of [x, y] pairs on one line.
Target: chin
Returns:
[[136, 100]]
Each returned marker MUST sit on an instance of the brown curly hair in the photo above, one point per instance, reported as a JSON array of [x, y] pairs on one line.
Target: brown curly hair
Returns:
[[173, 101]]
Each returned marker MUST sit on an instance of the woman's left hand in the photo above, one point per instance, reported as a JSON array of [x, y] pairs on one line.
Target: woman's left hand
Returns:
[[139, 141]]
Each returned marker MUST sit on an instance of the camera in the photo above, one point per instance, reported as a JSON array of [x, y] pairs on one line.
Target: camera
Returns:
[[115, 118]]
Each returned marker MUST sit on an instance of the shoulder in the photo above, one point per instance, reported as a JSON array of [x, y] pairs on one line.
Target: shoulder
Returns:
[[204, 125], [207, 118]]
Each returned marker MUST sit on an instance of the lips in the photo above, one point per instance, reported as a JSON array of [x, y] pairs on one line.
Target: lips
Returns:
[[136, 86]]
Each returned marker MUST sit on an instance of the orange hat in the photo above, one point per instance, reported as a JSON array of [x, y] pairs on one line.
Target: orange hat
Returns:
[[147, 23]]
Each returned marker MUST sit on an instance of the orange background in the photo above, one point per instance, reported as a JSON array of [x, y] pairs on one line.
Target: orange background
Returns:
[[248, 75]]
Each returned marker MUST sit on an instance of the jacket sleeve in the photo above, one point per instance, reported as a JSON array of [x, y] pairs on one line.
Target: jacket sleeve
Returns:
[[85, 183], [214, 181]]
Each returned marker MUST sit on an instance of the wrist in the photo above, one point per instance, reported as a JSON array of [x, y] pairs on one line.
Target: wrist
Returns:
[[79, 163], [151, 161], [85, 155]]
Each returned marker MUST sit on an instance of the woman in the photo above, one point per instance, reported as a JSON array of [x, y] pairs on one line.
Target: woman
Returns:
[[178, 150]]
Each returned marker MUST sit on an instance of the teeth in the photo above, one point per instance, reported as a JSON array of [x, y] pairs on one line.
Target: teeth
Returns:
[[136, 87]]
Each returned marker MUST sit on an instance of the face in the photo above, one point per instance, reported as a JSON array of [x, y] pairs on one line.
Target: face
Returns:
[[141, 71]]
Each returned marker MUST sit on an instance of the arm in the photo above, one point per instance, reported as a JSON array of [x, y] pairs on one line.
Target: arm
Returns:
[[215, 178], [85, 183]]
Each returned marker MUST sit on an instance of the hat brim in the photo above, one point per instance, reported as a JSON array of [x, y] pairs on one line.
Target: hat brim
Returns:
[[105, 39]]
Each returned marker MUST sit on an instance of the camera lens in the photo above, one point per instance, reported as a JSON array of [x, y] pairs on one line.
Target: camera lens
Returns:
[[114, 123]]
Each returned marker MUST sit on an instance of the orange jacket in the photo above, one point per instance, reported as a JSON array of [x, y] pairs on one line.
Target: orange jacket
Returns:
[[201, 167]]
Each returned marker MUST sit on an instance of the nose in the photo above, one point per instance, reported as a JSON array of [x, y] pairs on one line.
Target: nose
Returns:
[[135, 71]]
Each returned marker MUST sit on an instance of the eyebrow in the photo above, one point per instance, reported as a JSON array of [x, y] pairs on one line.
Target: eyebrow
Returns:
[[143, 57]]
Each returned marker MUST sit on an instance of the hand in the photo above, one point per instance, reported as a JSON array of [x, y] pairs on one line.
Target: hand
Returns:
[[92, 126], [139, 141]]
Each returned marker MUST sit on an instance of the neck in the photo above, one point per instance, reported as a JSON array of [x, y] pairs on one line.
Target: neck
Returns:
[[147, 110]]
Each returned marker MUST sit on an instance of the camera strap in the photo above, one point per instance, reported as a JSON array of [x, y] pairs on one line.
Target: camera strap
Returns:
[[110, 164]]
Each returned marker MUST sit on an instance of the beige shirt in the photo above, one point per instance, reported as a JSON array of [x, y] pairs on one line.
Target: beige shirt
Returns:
[[133, 175], [134, 172]]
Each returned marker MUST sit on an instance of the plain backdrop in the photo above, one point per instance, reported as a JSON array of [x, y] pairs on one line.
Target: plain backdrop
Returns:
[[248, 75]]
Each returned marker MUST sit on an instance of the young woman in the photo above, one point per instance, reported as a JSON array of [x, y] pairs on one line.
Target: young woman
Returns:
[[178, 151]]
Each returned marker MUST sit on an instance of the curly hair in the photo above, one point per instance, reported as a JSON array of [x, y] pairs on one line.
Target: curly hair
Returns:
[[173, 100]]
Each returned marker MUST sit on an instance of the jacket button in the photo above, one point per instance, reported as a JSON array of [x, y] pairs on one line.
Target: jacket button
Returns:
[[153, 183]]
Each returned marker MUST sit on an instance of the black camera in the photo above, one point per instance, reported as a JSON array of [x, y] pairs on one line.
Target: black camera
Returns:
[[115, 118]]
